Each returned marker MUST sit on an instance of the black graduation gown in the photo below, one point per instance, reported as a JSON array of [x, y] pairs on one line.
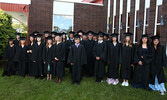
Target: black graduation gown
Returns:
[[9, 54], [32, 60], [127, 60], [141, 73], [47, 58], [39, 60], [16, 42], [77, 56], [157, 64], [21, 58], [114, 59], [100, 50], [89, 68], [60, 53]]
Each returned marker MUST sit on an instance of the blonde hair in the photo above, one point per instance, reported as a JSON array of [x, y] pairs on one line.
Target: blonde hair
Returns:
[[129, 43]]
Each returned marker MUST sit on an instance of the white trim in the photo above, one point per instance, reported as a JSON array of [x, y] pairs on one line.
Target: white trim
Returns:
[[127, 15], [79, 2], [108, 16], [144, 25], [156, 18], [134, 30]]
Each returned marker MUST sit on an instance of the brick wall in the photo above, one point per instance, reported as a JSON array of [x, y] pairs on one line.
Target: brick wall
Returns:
[[40, 15], [90, 17]]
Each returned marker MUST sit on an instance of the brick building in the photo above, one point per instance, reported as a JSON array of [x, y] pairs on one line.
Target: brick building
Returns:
[[136, 16]]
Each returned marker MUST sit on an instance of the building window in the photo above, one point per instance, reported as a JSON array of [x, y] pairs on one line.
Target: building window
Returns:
[[63, 14]]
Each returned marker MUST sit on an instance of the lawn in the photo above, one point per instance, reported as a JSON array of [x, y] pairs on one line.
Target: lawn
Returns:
[[29, 88]]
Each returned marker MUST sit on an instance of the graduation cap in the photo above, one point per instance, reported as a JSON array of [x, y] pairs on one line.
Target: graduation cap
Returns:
[[80, 31], [77, 36], [145, 35], [90, 32], [53, 33], [39, 35], [128, 34], [10, 39], [18, 34], [107, 35], [49, 38], [63, 33], [71, 32], [101, 34], [155, 37], [22, 38], [32, 35], [46, 32], [94, 34], [58, 34], [35, 32], [114, 35]]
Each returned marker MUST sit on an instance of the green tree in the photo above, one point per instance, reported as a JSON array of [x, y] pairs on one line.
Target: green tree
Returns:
[[6, 30]]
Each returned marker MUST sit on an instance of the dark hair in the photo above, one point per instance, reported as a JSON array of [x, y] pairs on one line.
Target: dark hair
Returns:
[[158, 46], [141, 42]]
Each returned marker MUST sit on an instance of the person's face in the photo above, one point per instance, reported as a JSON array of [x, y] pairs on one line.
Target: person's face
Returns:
[[18, 37], [80, 33], [100, 38], [22, 41], [114, 38], [57, 38], [10, 42], [49, 41], [64, 36], [144, 39], [77, 40], [105, 37], [84, 37], [156, 42], [94, 37], [46, 35], [31, 38], [127, 38], [90, 36], [71, 36], [53, 35], [38, 39]]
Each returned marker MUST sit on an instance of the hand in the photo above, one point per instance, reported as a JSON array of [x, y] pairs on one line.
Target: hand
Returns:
[[71, 63], [142, 57], [44, 62], [30, 51], [132, 65], [140, 63], [56, 58], [97, 58]]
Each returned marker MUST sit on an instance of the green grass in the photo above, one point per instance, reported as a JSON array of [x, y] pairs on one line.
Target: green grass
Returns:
[[19, 88]]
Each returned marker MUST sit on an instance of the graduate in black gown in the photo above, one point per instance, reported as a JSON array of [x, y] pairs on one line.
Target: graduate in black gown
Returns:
[[31, 52], [64, 37], [35, 35], [59, 55], [77, 58], [39, 62], [100, 54], [16, 43], [94, 36], [89, 44], [144, 53], [157, 76], [128, 50], [46, 34], [53, 34], [81, 34], [47, 58], [69, 43], [21, 56], [114, 59], [9, 54]]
